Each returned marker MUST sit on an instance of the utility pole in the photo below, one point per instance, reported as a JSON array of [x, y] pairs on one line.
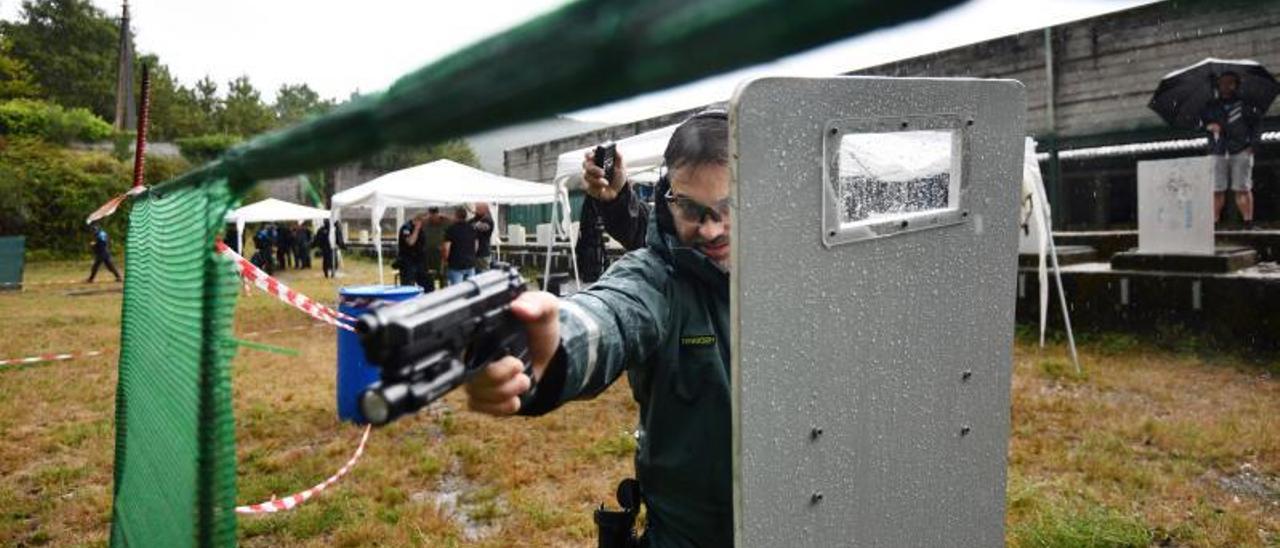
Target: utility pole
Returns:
[[126, 115]]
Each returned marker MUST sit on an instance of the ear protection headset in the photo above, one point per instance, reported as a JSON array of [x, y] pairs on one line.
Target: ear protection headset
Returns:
[[665, 221]]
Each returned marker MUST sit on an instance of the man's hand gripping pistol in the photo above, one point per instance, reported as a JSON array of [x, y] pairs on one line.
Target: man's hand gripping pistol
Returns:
[[430, 345]]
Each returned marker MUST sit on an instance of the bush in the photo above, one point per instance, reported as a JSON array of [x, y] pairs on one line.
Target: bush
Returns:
[[203, 148], [161, 168], [48, 191], [50, 122]]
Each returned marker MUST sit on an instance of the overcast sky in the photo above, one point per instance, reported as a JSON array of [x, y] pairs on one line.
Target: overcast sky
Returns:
[[341, 47]]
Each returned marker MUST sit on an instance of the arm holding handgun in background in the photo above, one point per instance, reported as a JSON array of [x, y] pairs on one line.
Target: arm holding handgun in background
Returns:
[[626, 217]]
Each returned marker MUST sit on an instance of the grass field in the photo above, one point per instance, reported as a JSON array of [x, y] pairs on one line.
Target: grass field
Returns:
[[1148, 447]]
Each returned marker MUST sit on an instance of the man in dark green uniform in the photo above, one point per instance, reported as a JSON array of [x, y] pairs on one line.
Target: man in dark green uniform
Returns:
[[660, 314]]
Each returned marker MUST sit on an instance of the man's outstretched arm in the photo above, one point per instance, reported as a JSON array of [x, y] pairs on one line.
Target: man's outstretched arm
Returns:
[[579, 345]]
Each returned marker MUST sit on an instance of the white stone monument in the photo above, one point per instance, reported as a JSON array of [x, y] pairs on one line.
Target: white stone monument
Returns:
[[1175, 206]]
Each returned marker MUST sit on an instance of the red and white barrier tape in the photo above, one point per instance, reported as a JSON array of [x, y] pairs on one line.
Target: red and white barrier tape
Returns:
[[292, 501], [110, 207], [51, 358], [265, 282]]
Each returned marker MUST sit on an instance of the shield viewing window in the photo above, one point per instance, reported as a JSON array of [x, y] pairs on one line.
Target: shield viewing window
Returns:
[[889, 176]]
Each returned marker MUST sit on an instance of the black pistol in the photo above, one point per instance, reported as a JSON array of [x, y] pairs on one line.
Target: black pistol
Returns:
[[604, 159], [429, 345]]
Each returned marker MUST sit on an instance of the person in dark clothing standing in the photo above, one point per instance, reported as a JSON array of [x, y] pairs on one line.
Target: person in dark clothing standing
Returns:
[[284, 246], [432, 245], [1234, 128], [409, 244], [302, 246], [483, 223], [101, 253], [327, 254], [263, 242], [460, 248], [589, 250]]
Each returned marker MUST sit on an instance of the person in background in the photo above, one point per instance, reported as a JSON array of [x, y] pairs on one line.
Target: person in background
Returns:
[[327, 252], [409, 248], [284, 246], [1234, 127], [101, 253], [302, 246], [263, 240], [341, 244], [460, 248], [484, 225], [432, 243]]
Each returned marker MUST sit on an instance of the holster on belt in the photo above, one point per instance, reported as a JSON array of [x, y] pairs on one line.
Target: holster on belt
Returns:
[[617, 528]]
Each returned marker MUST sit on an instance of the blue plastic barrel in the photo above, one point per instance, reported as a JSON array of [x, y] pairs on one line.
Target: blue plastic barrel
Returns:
[[354, 372]]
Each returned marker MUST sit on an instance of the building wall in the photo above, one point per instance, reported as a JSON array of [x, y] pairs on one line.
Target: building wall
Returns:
[[1106, 67]]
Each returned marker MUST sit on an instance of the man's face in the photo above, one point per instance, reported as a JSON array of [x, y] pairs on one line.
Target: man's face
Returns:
[[1227, 86], [707, 186], [482, 209]]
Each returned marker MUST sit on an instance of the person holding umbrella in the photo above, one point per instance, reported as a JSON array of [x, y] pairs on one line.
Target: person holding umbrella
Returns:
[[1227, 98], [1234, 128]]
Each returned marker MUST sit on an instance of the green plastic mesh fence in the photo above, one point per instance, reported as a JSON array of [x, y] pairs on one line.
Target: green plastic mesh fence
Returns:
[[175, 444], [175, 448]]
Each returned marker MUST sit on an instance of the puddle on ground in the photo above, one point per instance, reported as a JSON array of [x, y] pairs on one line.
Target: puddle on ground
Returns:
[[1248, 481], [473, 508], [465, 503]]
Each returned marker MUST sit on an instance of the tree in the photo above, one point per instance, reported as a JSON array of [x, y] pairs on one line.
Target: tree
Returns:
[[16, 79], [176, 110], [397, 157], [296, 102], [207, 97], [243, 112], [70, 47]]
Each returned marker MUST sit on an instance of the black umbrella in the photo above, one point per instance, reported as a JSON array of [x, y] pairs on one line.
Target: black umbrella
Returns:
[[1183, 94]]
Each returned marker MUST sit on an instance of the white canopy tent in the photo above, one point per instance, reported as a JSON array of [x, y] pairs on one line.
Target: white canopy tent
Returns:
[[271, 210], [438, 183]]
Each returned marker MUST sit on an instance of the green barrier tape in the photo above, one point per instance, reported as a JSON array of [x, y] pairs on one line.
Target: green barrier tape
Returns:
[[264, 347]]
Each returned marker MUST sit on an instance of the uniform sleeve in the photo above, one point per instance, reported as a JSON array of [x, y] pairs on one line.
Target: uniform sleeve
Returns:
[[605, 329], [626, 218]]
